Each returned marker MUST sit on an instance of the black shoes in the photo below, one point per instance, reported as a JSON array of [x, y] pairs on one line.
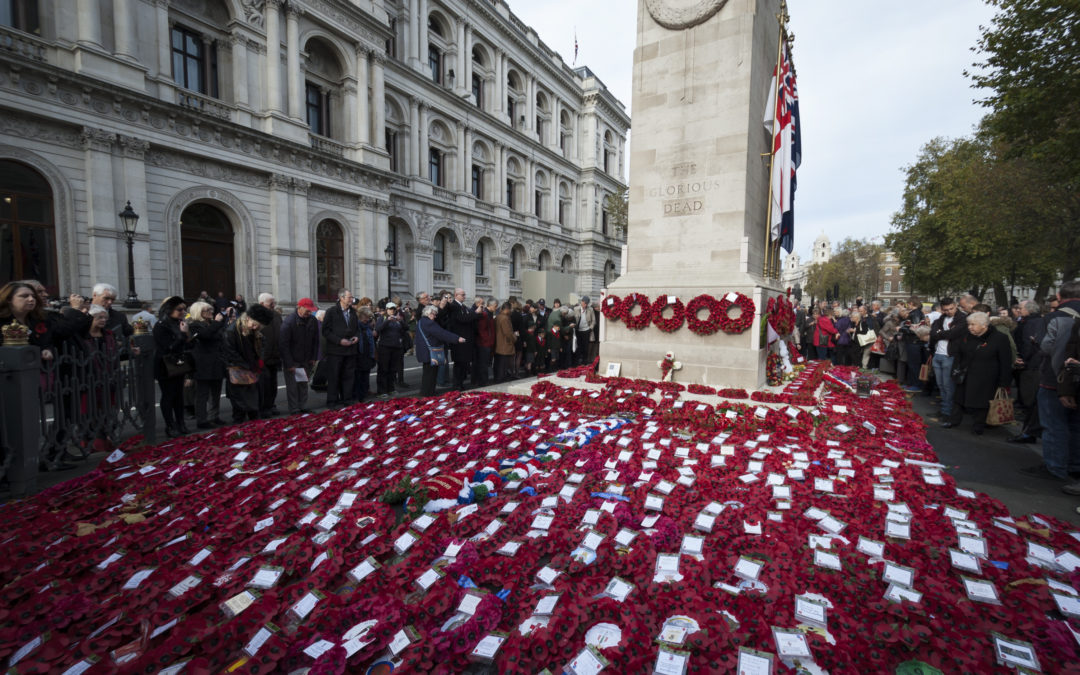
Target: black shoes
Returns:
[[949, 425], [205, 425], [1040, 471], [1021, 438]]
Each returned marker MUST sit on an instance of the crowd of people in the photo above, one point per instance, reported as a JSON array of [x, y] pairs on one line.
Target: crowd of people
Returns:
[[960, 351], [220, 344], [966, 354]]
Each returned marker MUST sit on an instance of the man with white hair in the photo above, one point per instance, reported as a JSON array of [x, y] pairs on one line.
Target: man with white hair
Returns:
[[105, 295], [271, 356]]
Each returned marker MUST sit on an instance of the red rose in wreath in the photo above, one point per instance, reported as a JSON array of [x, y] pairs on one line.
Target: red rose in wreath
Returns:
[[673, 323]]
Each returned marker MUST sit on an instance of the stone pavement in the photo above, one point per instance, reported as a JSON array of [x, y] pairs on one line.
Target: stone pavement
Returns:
[[983, 463]]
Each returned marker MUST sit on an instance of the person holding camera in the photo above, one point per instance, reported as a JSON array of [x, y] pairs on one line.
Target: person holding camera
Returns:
[[390, 329], [431, 340]]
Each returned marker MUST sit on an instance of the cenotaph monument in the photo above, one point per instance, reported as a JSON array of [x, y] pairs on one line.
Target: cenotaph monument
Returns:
[[699, 183]]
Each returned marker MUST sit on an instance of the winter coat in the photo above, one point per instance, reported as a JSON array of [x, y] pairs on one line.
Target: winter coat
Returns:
[[271, 342], [169, 340], [429, 333], [485, 330], [243, 351], [824, 332], [1057, 327], [504, 335], [986, 360], [390, 332], [207, 342], [298, 341]]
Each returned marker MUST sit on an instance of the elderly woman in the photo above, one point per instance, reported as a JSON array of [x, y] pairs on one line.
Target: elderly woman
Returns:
[[172, 362], [430, 336], [504, 343], [982, 364], [844, 337], [242, 352], [207, 339], [824, 335]]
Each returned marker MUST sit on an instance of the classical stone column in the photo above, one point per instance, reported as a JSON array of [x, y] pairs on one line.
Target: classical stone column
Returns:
[[363, 99], [273, 56], [414, 137], [466, 75], [352, 123], [466, 160], [133, 169], [292, 51], [500, 174], [423, 143], [278, 223], [161, 20], [500, 81], [554, 129], [378, 98], [240, 67], [123, 34], [530, 104], [422, 34], [527, 205], [459, 81], [89, 18], [409, 32], [102, 204]]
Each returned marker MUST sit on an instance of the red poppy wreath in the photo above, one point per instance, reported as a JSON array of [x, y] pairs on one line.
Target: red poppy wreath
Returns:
[[641, 319], [612, 307], [718, 318], [675, 321]]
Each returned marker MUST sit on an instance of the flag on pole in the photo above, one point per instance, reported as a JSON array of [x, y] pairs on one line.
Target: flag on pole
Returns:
[[786, 149], [575, 47]]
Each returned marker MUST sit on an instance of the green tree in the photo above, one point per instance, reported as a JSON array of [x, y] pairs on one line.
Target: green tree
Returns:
[[853, 270], [975, 218], [617, 205], [1031, 70]]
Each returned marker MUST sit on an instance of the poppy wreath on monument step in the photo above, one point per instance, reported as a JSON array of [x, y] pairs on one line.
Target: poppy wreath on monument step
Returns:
[[719, 317], [640, 320], [678, 315], [612, 307]]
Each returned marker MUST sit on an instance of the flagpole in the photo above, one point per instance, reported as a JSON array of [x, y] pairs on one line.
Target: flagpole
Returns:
[[767, 266]]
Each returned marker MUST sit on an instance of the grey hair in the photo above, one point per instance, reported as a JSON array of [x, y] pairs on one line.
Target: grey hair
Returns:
[[1032, 307], [430, 311], [492, 302], [981, 318], [365, 312], [103, 288], [263, 297], [97, 309]]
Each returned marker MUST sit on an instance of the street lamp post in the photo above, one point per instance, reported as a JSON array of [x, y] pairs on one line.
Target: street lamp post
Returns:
[[130, 219], [389, 253]]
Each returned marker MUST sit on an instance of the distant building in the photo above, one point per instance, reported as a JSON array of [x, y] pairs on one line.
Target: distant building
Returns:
[[300, 147], [892, 287], [795, 272]]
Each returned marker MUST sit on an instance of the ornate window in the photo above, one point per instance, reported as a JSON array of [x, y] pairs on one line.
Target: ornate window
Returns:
[[434, 60], [438, 254], [479, 258], [435, 162], [21, 15], [329, 260], [514, 264], [477, 182], [318, 109], [392, 148], [27, 234], [510, 193], [194, 61], [888, 287], [394, 246], [478, 90]]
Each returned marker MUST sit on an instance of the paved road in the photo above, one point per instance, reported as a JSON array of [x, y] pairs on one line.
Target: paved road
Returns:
[[989, 464]]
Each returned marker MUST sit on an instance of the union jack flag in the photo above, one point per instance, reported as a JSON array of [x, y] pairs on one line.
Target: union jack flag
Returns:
[[782, 121]]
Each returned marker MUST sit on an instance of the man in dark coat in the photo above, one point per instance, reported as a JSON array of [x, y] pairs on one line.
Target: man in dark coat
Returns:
[[1029, 360], [271, 355], [299, 347], [461, 321], [341, 330]]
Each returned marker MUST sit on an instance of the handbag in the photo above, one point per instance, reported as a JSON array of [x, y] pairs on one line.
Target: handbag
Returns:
[[177, 364], [436, 354], [924, 372], [868, 337], [1001, 409], [892, 352], [879, 346], [959, 374], [242, 376]]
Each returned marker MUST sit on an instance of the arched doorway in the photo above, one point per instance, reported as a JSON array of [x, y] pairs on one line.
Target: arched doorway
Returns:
[[27, 232], [329, 261], [206, 252]]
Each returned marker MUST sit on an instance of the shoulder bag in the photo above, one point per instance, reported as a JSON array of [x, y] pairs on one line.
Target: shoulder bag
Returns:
[[177, 365], [436, 354], [242, 376], [867, 338]]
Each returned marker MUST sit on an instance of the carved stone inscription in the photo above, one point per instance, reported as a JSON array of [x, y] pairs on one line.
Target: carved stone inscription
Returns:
[[685, 193]]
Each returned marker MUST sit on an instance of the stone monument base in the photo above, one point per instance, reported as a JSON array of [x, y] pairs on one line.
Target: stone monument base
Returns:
[[717, 360]]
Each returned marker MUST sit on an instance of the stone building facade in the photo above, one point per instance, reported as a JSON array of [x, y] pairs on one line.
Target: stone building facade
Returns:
[[892, 288], [295, 147], [795, 272]]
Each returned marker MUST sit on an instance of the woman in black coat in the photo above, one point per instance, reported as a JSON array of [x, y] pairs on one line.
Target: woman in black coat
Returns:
[[982, 363], [430, 335], [171, 336], [391, 329], [207, 338], [242, 353]]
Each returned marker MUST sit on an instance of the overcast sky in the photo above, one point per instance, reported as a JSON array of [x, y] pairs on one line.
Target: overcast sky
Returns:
[[876, 81]]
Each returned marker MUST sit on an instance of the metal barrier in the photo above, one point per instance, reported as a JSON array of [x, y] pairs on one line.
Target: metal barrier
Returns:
[[86, 395]]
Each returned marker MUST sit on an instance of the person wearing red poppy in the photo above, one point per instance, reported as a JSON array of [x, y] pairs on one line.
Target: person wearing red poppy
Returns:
[[824, 335], [982, 365]]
